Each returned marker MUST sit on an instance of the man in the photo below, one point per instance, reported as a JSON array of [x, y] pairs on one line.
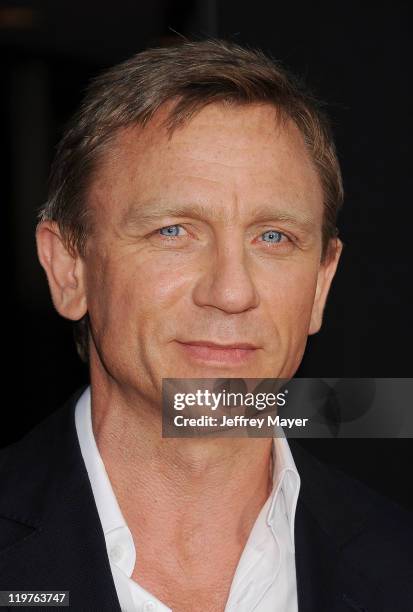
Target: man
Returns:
[[191, 231]]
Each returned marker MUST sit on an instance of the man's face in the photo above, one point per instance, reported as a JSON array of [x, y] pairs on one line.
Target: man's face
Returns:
[[209, 239]]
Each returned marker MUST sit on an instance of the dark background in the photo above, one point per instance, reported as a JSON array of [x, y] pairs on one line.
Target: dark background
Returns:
[[357, 58]]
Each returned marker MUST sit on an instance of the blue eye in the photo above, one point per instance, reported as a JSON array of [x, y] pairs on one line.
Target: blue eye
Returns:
[[272, 236], [170, 230]]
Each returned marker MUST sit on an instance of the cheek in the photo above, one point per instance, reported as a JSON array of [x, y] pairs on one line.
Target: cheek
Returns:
[[163, 282], [290, 297], [123, 293], [155, 290]]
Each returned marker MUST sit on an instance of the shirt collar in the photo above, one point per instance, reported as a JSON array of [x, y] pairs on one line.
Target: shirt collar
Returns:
[[114, 526], [285, 481]]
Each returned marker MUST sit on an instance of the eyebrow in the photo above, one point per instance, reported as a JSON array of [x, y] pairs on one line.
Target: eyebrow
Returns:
[[153, 211]]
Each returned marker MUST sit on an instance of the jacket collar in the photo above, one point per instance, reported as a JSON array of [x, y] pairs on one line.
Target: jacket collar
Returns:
[[52, 515], [332, 511]]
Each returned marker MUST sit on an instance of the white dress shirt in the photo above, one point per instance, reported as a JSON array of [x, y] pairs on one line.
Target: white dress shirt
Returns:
[[265, 579]]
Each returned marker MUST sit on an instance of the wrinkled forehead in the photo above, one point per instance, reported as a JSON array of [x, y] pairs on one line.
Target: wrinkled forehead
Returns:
[[222, 154]]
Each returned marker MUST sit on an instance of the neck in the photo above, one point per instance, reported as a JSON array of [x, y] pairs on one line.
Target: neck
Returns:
[[167, 486]]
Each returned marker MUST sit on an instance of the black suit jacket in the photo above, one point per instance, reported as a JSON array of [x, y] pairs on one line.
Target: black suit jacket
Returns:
[[354, 550]]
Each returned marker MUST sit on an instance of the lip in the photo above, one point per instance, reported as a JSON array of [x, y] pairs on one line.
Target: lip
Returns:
[[218, 345], [214, 352]]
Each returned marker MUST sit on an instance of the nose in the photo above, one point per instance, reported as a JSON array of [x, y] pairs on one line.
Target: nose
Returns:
[[226, 282]]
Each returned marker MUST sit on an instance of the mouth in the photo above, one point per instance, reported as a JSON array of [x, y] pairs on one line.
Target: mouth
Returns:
[[212, 352]]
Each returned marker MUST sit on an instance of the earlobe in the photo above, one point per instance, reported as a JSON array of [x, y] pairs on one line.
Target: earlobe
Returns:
[[64, 270], [325, 277]]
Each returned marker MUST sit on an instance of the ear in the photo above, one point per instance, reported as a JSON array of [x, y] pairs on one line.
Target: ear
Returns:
[[325, 276], [65, 271]]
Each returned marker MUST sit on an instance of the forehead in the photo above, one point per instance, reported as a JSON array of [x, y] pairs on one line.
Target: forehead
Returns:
[[232, 158]]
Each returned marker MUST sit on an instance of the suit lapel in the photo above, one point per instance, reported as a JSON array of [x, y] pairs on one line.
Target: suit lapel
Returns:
[[329, 515], [316, 561], [57, 540]]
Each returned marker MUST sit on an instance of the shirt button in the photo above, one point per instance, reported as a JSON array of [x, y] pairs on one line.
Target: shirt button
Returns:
[[149, 606], [116, 553]]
